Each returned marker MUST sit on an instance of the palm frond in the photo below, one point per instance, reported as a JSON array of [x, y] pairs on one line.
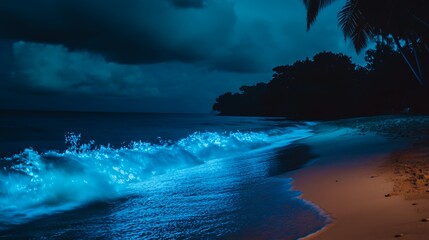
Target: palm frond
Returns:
[[348, 17], [313, 7], [354, 25], [361, 36]]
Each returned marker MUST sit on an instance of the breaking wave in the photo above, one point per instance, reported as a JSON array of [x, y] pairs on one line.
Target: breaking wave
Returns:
[[33, 184]]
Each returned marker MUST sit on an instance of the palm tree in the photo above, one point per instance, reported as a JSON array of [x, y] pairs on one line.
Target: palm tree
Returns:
[[405, 21]]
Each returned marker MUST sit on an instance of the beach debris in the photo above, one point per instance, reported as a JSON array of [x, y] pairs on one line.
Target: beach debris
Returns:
[[414, 204], [399, 235], [387, 195], [373, 176], [425, 220]]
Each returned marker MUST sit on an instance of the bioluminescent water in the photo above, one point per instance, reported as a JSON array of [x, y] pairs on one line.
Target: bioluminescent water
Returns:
[[201, 177]]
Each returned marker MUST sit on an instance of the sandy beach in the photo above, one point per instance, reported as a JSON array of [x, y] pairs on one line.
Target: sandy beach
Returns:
[[372, 187]]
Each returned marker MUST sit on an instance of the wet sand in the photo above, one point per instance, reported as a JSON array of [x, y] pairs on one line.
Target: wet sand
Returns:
[[370, 186]]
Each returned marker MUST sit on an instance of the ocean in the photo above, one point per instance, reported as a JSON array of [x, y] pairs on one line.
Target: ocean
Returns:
[[75, 175]]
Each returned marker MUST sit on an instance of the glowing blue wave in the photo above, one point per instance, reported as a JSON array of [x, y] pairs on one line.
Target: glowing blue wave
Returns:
[[34, 184]]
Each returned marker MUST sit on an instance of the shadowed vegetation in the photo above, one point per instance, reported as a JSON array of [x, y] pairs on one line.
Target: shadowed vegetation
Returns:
[[405, 21], [330, 86]]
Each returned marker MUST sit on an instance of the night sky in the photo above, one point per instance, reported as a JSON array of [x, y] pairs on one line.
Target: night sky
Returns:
[[150, 55]]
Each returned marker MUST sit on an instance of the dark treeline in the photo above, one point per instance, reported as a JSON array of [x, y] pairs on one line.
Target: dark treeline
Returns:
[[331, 86]]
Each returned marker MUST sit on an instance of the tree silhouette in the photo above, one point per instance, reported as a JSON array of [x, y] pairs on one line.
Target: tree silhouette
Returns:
[[406, 21], [330, 86], [316, 88]]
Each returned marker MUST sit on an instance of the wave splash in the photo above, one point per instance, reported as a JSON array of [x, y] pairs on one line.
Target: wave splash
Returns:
[[34, 184]]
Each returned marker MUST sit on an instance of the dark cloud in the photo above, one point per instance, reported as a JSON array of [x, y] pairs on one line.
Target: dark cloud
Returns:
[[41, 69], [188, 3], [232, 35], [132, 31]]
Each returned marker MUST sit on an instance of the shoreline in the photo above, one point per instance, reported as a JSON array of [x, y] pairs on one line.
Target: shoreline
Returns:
[[353, 183]]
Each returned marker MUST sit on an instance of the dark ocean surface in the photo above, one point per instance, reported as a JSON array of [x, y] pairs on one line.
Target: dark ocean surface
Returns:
[[70, 175]]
